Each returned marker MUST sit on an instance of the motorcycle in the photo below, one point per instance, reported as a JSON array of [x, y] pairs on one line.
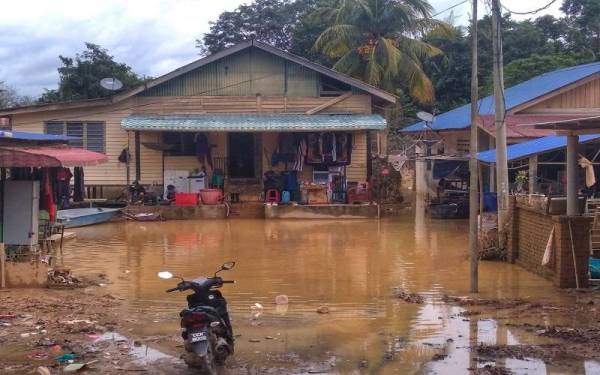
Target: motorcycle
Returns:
[[205, 325]]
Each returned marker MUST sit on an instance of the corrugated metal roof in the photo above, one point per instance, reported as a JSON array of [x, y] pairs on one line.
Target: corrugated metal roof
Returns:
[[25, 136], [460, 118], [521, 126], [61, 156], [534, 147], [249, 123]]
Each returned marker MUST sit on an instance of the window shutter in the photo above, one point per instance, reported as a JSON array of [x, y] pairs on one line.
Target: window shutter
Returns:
[[55, 128], [95, 136], [75, 129]]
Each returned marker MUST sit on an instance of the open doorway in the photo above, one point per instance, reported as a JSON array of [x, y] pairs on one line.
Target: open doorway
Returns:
[[242, 150]]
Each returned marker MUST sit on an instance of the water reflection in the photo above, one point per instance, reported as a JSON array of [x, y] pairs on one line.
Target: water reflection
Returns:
[[350, 266]]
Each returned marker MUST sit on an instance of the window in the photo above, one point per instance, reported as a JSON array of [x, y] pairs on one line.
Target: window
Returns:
[[91, 133], [179, 144]]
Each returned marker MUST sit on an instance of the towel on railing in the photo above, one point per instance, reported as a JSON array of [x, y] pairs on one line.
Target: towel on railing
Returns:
[[547, 258]]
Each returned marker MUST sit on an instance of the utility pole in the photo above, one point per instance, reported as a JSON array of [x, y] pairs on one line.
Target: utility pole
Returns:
[[473, 183], [499, 111]]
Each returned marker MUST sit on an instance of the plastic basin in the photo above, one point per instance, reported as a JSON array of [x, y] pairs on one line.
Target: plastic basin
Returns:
[[211, 196]]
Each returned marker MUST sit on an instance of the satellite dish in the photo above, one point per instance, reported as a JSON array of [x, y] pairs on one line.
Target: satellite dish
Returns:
[[426, 116], [112, 84]]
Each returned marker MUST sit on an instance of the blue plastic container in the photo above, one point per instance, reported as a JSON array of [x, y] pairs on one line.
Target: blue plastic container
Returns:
[[490, 202], [285, 196]]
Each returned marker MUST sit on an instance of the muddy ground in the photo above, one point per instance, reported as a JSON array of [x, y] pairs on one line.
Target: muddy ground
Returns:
[[52, 328], [48, 329]]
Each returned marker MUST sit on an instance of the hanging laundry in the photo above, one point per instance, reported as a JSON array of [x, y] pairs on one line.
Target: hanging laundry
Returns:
[[300, 155], [590, 176], [63, 178], [48, 195], [398, 161], [203, 150], [328, 147], [546, 259], [79, 189], [343, 147], [314, 153]]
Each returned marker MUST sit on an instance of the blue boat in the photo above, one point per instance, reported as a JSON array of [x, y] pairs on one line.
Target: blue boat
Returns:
[[79, 217]]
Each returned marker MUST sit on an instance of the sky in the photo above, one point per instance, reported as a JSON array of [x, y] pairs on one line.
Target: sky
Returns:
[[152, 36]]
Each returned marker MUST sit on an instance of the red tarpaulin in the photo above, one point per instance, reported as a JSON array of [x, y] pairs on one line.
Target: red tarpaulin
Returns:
[[58, 156]]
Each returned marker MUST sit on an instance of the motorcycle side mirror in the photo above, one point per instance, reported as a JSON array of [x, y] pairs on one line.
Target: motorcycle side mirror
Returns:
[[165, 275], [227, 266]]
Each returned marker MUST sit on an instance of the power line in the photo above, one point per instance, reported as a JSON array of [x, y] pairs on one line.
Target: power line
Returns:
[[531, 11], [450, 8]]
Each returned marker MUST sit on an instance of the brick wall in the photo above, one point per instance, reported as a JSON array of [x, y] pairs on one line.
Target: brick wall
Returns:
[[530, 230]]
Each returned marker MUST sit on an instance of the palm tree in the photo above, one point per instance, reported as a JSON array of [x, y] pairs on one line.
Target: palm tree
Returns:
[[378, 41]]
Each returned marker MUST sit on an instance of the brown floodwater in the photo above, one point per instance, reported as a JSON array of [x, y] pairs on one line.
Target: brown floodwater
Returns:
[[350, 266]]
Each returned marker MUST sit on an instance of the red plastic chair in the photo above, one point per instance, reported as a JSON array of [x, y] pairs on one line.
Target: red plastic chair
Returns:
[[272, 196]]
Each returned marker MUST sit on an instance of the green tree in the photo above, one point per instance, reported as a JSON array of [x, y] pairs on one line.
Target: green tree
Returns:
[[271, 21], [79, 77], [450, 73], [584, 15], [523, 69], [378, 41]]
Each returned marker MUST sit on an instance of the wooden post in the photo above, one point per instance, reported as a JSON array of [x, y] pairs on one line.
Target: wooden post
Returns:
[[138, 167], [533, 170], [2, 266], [502, 187], [473, 183], [572, 143]]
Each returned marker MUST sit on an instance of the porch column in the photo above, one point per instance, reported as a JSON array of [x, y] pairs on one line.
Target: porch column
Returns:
[[138, 167], [572, 145], [533, 170]]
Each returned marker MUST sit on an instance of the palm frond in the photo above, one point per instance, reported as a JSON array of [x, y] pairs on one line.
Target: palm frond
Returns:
[[419, 85], [336, 40], [390, 56], [418, 49], [349, 64], [373, 71]]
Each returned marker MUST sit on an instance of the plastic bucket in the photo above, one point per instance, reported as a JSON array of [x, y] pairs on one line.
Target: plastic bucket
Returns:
[[211, 196]]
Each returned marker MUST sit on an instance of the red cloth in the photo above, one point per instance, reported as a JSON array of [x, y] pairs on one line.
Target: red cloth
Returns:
[[47, 196]]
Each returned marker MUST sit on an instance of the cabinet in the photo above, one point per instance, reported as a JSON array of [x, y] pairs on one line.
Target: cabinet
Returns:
[[21, 212]]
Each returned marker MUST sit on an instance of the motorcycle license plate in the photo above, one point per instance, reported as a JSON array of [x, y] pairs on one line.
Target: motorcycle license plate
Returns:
[[198, 336]]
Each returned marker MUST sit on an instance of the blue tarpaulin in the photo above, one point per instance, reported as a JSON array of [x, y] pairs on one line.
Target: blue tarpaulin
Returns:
[[26, 136], [460, 118], [536, 146]]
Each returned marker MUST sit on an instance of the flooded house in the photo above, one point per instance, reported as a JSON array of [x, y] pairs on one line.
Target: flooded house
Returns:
[[560, 96], [552, 126], [253, 121]]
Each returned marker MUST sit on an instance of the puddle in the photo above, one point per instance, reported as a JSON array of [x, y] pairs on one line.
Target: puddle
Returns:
[[143, 354]]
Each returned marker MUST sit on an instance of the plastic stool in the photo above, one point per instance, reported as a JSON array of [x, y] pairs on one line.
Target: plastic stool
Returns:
[[285, 196], [272, 196]]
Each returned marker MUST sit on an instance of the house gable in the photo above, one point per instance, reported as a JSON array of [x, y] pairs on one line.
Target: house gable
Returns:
[[581, 97], [248, 72]]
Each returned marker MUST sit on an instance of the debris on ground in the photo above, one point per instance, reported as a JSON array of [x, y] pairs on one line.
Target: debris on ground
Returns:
[[62, 277], [408, 297], [323, 310], [491, 370]]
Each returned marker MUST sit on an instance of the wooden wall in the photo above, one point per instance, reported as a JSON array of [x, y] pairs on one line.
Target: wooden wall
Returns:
[[584, 98], [247, 104], [248, 72], [114, 173]]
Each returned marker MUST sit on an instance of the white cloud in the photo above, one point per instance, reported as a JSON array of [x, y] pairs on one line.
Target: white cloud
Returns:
[[152, 36]]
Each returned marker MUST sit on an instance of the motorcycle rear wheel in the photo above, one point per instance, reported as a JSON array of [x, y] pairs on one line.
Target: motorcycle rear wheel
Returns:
[[204, 364]]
